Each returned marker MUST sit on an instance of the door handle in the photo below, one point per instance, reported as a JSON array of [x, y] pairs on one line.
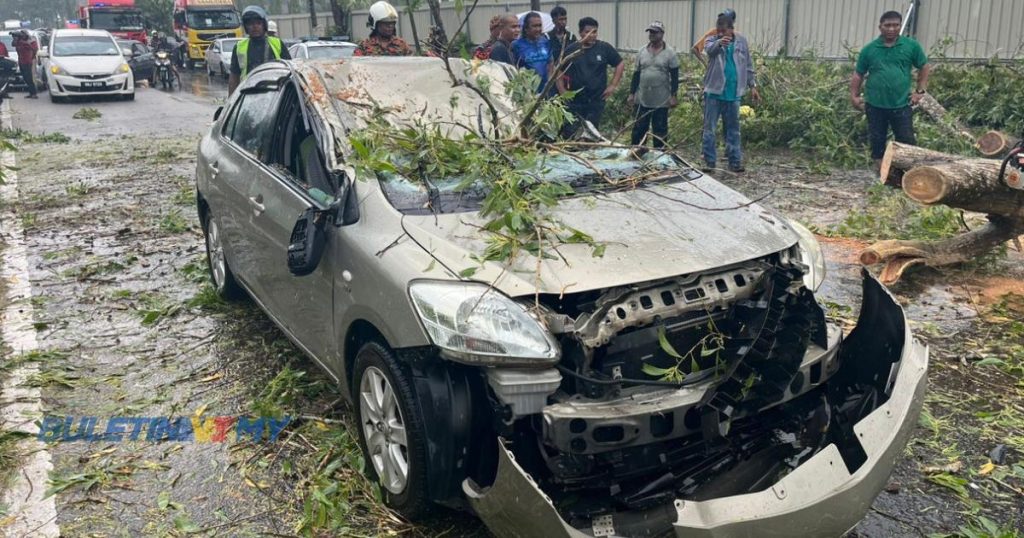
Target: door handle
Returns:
[[214, 169], [257, 204]]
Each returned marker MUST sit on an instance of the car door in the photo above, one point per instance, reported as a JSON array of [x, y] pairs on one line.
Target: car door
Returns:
[[144, 62], [212, 54], [303, 304], [233, 162]]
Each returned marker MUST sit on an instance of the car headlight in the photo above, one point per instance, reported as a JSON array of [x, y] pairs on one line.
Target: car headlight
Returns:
[[123, 68], [475, 324], [57, 70], [811, 256]]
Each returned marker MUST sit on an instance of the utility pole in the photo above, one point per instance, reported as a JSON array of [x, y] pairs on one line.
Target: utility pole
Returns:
[[534, 5]]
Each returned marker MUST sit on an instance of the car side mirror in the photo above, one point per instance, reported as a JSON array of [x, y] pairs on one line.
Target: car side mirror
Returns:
[[306, 246], [216, 113], [127, 53], [42, 53]]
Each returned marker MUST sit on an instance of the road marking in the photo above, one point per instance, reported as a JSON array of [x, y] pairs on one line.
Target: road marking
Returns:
[[29, 513]]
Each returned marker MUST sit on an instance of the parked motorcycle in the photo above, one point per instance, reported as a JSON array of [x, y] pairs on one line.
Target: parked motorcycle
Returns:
[[165, 71]]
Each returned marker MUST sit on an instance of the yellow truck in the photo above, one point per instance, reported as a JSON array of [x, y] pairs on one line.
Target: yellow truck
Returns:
[[199, 22]]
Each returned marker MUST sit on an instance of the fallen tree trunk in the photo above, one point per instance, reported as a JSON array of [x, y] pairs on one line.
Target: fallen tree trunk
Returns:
[[971, 184], [899, 255], [900, 157], [995, 144], [932, 177], [930, 106]]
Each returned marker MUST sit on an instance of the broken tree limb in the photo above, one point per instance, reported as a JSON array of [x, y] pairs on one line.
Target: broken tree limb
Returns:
[[899, 255], [900, 157], [995, 144], [971, 184], [937, 112]]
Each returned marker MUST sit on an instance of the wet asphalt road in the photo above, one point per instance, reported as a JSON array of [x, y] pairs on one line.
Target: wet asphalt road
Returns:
[[118, 275]]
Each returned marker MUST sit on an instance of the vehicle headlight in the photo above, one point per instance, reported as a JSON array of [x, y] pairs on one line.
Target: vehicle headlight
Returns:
[[811, 256], [475, 324], [57, 70], [123, 68]]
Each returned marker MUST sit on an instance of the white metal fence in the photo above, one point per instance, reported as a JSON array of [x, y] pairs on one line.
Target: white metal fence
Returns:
[[967, 28]]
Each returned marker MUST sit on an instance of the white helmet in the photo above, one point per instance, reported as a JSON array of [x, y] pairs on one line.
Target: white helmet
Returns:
[[381, 12], [272, 27]]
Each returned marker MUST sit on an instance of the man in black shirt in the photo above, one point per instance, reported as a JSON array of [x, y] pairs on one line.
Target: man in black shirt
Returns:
[[507, 33], [587, 74], [560, 37], [256, 49]]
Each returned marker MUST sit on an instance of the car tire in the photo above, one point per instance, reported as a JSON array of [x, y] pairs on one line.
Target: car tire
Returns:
[[379, 415], [130, 97], [223, 279], [56, 99]]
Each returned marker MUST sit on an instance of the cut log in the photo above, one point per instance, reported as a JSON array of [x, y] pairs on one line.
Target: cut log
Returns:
[[899, 256], [937, 112], [901, 157], [995, 144], [971, 184]]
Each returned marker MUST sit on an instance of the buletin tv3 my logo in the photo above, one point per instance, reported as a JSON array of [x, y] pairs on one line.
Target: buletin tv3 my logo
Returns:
[[193, 429]]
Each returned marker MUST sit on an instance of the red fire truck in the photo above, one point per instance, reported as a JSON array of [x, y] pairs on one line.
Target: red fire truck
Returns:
[[119, 17]]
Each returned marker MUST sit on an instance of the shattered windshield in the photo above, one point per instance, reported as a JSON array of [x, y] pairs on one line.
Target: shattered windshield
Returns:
[[590, 171]]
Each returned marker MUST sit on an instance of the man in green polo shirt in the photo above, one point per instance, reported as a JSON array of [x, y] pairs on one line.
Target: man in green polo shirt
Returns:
[[886, 63]]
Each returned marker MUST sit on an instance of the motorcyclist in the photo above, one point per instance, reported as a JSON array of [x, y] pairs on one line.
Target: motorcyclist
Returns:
[[161, 43], [256, 49], [383, 20], [272, 28]]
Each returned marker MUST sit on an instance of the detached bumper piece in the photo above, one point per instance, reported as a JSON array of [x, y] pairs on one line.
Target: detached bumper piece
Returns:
[[809, 467]]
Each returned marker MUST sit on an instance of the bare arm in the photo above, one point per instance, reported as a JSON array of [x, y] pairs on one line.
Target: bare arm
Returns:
[[922, 77], [855, 83], [617, 77]]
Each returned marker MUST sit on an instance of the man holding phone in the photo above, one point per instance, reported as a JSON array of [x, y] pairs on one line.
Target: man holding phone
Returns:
[[729, 76]]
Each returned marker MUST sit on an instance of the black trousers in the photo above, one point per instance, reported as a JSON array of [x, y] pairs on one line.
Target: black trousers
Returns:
[[880, 119], [644, 118], [26, 74]]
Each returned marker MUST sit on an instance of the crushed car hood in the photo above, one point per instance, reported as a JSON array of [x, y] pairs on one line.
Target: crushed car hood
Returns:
[[648, 233]]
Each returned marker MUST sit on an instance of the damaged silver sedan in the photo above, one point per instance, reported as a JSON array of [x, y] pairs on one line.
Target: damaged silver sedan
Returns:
[[685, 381]]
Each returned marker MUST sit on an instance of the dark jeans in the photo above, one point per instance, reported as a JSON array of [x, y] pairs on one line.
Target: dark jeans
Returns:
[[590, 111], [644, 117], [729, 111], [26, 74], [879, 120]]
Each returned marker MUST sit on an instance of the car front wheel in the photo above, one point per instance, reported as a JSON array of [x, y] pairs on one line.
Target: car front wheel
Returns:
[[391, 431], [220, 272]]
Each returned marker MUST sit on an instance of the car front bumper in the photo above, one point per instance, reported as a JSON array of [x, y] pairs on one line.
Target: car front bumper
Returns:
[[818, 498], [68, 85]]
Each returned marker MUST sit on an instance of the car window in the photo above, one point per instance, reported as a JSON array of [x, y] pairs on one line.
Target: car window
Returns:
[[250, 123], [328, 52], [85, 46], [295, 151]]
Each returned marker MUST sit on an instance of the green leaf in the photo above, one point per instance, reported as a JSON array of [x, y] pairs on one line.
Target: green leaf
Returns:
[[163, 499], [653, 370], [666, 346], [598, 251], [468, 272], [990, 361], [430, 267], [184, 524]]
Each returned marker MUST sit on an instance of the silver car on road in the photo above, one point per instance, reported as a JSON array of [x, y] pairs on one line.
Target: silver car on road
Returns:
[[519, 390]]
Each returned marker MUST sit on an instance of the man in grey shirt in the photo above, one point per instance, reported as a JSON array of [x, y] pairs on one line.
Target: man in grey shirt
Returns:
[[654, 86]]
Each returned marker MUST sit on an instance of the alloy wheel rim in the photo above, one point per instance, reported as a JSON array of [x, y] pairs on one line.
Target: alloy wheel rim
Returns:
[[216, 251], [384, 430]]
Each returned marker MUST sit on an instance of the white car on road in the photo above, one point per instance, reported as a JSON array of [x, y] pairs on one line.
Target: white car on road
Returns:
[[218, 56], [83, 62], [322, 50]]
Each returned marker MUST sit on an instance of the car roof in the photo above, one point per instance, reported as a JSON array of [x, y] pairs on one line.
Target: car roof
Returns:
[[329, 44], [76, 32], [129, 41]]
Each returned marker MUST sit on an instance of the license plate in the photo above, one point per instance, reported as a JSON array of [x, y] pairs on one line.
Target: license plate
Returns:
[[93, 85]]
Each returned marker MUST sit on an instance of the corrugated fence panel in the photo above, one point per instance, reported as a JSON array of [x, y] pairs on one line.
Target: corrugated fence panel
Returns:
[[830, 28], [635, 16], [977, 29]]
